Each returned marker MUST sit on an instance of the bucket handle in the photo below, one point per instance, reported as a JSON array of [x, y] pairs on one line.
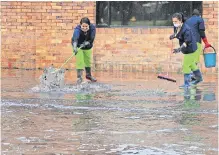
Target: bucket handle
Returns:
[[211, 47]]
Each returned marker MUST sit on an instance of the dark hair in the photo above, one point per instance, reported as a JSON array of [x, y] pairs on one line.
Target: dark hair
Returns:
[[179, 16], [196, 12], [85, 20]]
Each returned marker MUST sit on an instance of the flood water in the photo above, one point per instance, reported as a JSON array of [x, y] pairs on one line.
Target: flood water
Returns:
[[121, 114]]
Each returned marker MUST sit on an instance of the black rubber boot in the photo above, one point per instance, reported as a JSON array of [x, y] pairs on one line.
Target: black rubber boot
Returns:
[[79, 76], [198, 77], [192, 77], [88, 75]]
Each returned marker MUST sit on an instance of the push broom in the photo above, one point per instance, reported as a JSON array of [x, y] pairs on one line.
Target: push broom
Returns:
[[67, 60], [166, 77]]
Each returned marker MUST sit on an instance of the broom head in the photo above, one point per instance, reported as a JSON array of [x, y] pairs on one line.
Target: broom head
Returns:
[[166, 77]]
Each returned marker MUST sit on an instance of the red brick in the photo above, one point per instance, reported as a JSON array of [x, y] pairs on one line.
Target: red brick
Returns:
[[77, 7], [67, 14], [40, 10], [26, 10], [117, 47], [56, 14], [26, 3], [67, 7], [22, 20], [212, 20], [46, 7], [5, 3], [11, 20], [82, 11], [205, 12], [21, 27], [21, 14], [56, 7], [11, 7], [210, 23], [208, 16]]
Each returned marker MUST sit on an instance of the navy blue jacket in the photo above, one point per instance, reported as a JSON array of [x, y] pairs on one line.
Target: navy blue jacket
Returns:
[[186, 35], [79, 36], [197, 25]]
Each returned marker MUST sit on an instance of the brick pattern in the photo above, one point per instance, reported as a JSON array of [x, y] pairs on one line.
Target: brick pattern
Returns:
[[37, 34], [210, 16], [149, 49], [133, 49]]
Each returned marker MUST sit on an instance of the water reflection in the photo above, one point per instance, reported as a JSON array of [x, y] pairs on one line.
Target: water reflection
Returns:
[[51, 95], [192, 96], [209, 96], [83, 97]]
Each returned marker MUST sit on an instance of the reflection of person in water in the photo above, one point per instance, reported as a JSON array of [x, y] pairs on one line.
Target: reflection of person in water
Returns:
[[192, 94], [83, 97], [192, 97]]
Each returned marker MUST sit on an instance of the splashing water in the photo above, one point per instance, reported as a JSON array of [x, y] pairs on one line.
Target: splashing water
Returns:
[[53, 80]]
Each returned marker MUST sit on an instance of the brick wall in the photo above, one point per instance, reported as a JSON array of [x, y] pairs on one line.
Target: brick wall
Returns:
[[210, 15], [148, 49], [37, 34]]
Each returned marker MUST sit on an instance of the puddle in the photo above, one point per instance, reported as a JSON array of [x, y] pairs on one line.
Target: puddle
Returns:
[[136, 114], [52, 80]]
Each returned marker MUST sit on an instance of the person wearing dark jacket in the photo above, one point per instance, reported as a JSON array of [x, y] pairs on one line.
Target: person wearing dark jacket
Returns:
[[188, 47], [198, 26], [82, 42], [196, 23]]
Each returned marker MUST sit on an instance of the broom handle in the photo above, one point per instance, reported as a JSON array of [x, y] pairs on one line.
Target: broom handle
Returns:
[[70, 57], [170, 58], [67, 60]]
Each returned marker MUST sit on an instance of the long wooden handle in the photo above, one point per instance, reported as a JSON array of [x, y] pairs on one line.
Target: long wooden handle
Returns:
[[67, 60]]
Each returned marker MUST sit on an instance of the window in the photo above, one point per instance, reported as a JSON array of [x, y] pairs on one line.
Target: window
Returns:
[[141, 13]]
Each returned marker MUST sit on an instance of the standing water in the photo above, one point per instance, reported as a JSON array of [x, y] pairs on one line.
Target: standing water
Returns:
[[53, 79], [121, 114]]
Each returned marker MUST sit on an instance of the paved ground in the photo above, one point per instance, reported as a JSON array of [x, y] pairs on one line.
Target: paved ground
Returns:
[[122, 114]]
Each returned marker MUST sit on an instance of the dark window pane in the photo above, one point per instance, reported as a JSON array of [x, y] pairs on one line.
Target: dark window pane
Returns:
[[197, 5], [121, 12], [143, 13], [102, 11]]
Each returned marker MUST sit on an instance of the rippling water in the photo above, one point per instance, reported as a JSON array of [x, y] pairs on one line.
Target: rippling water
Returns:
[[121, 114]]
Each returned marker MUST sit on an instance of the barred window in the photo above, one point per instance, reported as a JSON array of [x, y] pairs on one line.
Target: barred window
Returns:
[[141, 13]]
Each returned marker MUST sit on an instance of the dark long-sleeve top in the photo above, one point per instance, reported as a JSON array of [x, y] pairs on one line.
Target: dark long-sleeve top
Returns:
[[197, 25], [79, 36], [185, 35]]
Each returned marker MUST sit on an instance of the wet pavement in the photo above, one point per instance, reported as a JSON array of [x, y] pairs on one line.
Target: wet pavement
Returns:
[[122, 114]]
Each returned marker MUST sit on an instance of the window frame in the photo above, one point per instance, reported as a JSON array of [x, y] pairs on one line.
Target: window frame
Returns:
[[127, 26]]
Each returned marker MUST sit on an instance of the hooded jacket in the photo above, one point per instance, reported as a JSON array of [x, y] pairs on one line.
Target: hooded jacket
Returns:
[[80, 37], [186, 35], [197, 25]]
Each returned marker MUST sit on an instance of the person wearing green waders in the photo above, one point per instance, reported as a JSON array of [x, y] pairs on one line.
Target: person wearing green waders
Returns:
[[196, 23], [188, 47], [83, 36]]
